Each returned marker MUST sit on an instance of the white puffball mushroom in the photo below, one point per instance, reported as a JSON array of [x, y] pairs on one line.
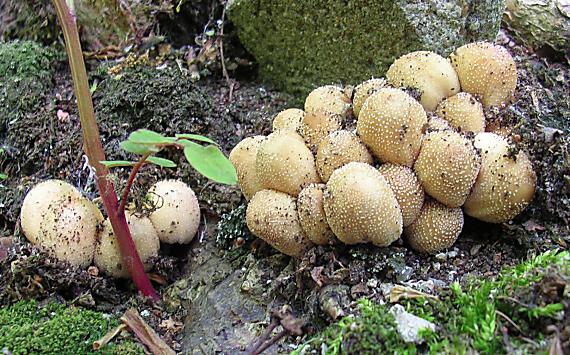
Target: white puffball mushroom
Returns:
[[243, 159], [288, 120], [328, 98], [68, 230], [37, 201], [108, 255], [177, 216]]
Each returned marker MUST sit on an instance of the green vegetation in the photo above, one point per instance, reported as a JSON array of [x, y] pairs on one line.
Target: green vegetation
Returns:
[[524, 300], [26, 328]]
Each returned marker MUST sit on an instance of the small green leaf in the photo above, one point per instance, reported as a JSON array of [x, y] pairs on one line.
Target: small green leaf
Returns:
[[3, 176], [165, 163], [210, 162], [137, 148], [145, 136], [117, 163], [195, 137]]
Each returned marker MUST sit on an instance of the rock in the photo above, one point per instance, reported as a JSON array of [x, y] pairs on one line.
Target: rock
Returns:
[[537, 23], [303, 44], [409, 325]]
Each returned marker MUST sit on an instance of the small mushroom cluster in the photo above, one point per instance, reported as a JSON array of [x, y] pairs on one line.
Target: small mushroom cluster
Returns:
[[57, 218], [407, 154]]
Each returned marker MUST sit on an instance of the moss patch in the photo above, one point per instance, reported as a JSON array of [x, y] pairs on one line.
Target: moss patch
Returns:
[[529, 301], [27, 327]]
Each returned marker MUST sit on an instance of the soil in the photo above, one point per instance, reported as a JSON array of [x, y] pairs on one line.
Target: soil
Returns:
[[225, 284]]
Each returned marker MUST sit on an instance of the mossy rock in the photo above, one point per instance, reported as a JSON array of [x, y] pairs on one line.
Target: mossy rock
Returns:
[[302, 44]]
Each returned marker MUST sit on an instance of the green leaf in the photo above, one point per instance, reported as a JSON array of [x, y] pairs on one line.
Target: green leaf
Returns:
[[165, 163], [137, 148], [210, 162], [145, 136], [195, 137], [117, 163], [3, 176]]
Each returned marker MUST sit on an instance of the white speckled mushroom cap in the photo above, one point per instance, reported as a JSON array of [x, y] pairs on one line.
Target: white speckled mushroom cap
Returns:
[[506, 182], [272, 216], [447, 167], [328, 98], [428, 72], [340, 148], [284, 163], [436, 228], [316, 125], [364, 90], [108, 255], [243, 158], [177, 216], [361, 207], [391, 124], [37, 201], [310, 206], [463, 112], [486, 70], [289, 120]]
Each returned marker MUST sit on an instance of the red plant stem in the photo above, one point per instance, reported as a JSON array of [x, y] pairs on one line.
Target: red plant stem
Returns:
[[130, 181], [94, 151]]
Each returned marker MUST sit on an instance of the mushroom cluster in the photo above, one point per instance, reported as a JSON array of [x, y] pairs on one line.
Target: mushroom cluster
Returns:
[[57, 218], [418, 159]]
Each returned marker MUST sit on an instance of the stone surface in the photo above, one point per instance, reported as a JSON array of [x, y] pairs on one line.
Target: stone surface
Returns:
[[409, 325], [303, 44]]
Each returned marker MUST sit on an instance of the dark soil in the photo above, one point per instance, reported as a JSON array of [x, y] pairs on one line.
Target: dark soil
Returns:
[[224, 291]]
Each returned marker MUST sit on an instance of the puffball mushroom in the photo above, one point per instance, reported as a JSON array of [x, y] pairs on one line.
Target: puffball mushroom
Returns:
[[107, 253], [272, 216], [328, 98], [284, 163], [447, 167], [407, 189], [436, 228], [428, 72], [243, 159], [289, 120], [316, 125], [361, 207], [436, 123], [312, 215], [506, 182], [486, 70], [37, 202], [177, 216], [364, 90], [68, 230], [337, 149], [463, 112], [391, 124]]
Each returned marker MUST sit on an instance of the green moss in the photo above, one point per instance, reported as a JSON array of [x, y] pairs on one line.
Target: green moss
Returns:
[[468, 318], [27, 328]]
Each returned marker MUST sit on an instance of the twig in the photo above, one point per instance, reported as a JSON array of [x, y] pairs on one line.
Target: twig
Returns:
[[108, 337], [145, 333], [221, 47], [263, 337], [509, 320], [132, 176], [270, 342]]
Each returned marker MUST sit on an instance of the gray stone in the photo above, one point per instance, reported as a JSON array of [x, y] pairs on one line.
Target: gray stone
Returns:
[[303, 44], [409, 325]]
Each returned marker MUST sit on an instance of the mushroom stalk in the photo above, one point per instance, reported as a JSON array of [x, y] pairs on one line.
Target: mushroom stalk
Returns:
[[94, 150]]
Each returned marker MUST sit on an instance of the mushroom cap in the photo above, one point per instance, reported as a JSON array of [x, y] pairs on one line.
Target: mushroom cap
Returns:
[[447, 167], [68, 230], [436, 228], [37, 201], [407, 189], [391, 124], [177, 216], [340, 148], [316, 125], [284, 163], [436, 123], [272, 216], [506, 182], [463, 112], [487, 70], [328, 98], [108, 255], [361, 207], [289, 120], [243, 159], [428, 72], [364, 90], [312, 215]]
